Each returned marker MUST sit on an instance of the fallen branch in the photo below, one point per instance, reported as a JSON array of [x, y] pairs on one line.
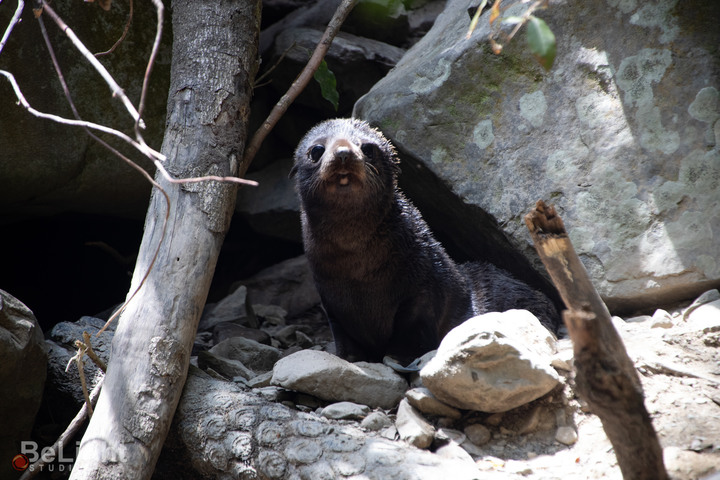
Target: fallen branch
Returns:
[[605, 376]]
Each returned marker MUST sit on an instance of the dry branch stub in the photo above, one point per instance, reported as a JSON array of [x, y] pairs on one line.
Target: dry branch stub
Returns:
[[605, 376]]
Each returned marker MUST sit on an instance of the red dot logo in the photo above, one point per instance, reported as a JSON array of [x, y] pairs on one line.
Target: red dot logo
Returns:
[[20, 462]]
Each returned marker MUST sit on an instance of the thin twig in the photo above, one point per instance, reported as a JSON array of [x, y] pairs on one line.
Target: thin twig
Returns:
[[13, 21], [151, 61], [142, 171], [301, 82], [64, 439], [275, 65], [83, 382], [91, 353], [147, 151], [116, 90], [122, 37]]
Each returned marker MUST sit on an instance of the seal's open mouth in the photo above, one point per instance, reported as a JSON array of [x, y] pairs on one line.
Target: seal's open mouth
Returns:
[[342, 177]]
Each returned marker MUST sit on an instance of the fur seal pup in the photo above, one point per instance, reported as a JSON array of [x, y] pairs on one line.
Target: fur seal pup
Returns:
[[386, 285]]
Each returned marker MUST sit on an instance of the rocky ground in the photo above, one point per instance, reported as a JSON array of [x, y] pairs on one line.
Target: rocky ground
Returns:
[[675, 352]]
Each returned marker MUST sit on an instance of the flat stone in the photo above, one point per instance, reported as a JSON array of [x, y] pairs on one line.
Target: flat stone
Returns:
[[254, 355], [422, 399], [345, 411], [412, 427], [334, 379]]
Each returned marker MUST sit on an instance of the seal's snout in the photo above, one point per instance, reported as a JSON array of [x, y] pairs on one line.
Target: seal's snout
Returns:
[[343, 154]]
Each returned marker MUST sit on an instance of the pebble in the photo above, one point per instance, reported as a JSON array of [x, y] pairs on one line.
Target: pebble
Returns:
[[478, 434], [661, 319], [376, 421], [566, 435]]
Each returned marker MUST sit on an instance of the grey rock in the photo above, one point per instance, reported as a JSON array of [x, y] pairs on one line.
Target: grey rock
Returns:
[[288, 284], [621, 132], [423, 400], [412, 427], [272, 208], [226, 367], [492, 363], [223, 331], [375, 421], [478, 434], [254, 355], [229, 433], [273, 314], [332, 378], [345, 411], [232, 308], [289, 335], [23, 363], [262, 380], [357, 63]]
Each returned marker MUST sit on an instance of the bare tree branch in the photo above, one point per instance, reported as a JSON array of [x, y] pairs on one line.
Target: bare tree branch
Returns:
[[114, 87], [122, 37], [13, 21], [301, 82]]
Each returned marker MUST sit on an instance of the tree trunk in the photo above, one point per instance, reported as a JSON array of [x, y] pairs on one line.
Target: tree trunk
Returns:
[[214, 60]]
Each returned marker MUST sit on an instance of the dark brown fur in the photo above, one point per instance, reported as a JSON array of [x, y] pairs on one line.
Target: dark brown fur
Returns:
[[387, 286]]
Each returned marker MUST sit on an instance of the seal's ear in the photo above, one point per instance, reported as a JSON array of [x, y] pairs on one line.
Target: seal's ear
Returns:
[[293, 171]]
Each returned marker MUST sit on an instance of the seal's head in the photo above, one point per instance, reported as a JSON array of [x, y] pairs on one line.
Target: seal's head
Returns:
[[345, 162]]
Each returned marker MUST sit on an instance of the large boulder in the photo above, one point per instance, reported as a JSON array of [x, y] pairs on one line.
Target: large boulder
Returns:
[[23, 363], [621, 135]]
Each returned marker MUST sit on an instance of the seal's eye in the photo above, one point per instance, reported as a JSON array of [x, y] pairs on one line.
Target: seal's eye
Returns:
[[368, 149], [316, 152]]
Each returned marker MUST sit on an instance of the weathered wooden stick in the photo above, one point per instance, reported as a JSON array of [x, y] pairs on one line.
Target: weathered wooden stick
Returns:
[[605, 376]]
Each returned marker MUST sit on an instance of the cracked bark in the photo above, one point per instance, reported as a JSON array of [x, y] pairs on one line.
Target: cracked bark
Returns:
[[213, 63]]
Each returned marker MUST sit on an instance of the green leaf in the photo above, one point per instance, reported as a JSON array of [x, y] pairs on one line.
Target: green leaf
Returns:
[[542, 42], [328, 84]]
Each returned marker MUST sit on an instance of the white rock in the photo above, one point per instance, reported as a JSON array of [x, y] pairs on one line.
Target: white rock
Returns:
[[661, 319], [331, 378], [705, 316], [566, 435], [707, 297], [493, 363], [412, 427]]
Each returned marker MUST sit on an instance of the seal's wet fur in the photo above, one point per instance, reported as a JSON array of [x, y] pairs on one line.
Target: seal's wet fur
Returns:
[[387, 286]]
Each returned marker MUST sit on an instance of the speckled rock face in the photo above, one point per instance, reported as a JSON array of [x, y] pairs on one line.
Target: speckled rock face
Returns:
[[621, 135]]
